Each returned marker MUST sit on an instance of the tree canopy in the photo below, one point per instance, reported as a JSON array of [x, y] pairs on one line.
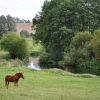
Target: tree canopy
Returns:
[[60, 19], [3, 25], [7, 24]]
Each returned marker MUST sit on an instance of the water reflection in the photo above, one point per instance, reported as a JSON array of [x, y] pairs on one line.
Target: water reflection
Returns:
[[34, 66]]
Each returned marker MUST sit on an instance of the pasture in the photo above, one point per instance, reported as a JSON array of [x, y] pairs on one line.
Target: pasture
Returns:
[[51, 84]]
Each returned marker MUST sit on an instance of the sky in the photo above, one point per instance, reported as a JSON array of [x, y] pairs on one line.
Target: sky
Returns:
[[24, 9]]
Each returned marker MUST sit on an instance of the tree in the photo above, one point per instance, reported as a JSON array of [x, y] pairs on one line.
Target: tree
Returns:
[[80, 39], [80, 49], [60, 19], [3, 25], [25, 33], [6, 24], [15, 45], [11, 23], [52, 30], [95, 43]]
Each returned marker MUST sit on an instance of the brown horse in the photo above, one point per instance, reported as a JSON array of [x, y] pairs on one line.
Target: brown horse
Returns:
[[13, 78]]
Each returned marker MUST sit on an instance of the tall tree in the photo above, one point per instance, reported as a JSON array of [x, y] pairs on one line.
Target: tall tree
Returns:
[[11, 23], [3, 25], [60, 18], [52, 29]]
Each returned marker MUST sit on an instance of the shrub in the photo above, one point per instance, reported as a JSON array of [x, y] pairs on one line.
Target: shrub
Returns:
[[25, 33], [80, 39], [15, 45], [79, 50], [95, 43]]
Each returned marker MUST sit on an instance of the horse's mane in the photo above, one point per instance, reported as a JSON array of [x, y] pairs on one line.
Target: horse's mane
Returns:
[[18, 74]]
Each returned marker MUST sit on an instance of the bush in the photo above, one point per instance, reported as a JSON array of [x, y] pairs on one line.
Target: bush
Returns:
[[34, 54], [79, 50], [25, 33], [95, 44], [80, 39], [15, 45]]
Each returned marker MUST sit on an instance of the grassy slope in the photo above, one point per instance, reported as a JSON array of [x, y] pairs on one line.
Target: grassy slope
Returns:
[[49, 85], [33, 47]]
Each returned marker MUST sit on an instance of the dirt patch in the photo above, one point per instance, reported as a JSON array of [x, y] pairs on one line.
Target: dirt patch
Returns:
[[24, 26]]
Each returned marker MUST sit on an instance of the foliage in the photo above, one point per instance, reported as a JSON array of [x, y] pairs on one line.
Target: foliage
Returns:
[[44, 58], [95, 43], [6, 24], [11, 24], [53, 36], [15, 45], [25, 33], [34, 54], [80, 39], [80, 49], [3, 27], [59, 20], [93, 64]]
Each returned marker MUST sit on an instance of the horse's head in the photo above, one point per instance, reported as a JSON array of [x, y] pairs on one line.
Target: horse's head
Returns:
[[20, 75]]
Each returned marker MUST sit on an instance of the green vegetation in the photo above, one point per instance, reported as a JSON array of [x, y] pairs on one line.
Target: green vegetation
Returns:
[[51, 84], [79, 49], [6, 24], [15, 45], [95, 44], [65, 29], [34, 47], [25, 33]]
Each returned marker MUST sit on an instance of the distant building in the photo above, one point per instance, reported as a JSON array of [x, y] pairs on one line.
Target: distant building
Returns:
[[18, 20]]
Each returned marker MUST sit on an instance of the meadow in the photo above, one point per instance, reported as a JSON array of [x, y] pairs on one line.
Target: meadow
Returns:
[[46, 84], [51, 84]]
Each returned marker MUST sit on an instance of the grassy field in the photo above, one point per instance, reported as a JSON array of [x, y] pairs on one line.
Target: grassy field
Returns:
[[33, 47], [51, 84]]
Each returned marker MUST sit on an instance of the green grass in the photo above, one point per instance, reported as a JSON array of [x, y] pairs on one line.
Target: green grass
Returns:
[[4, 54], [51, 84], [34, 47]]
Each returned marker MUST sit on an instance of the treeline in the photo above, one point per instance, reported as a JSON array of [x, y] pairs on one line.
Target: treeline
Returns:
[[7, 24], [69, 32]]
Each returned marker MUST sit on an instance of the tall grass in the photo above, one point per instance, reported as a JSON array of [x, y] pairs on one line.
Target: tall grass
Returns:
[[51, 84]]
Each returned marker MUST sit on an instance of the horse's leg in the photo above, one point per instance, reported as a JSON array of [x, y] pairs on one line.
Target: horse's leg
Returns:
[[6, 84], [15, 85]]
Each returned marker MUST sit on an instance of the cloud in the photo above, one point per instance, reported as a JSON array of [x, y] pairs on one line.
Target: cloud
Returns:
[[25, 9]]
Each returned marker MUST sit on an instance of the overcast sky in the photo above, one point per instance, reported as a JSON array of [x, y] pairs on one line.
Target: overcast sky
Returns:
[[24, 9]]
